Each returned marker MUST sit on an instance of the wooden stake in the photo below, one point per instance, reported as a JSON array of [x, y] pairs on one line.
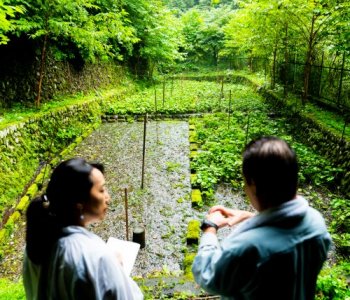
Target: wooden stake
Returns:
[[155, 100], [229, 110], [163, 92], [139, 236], [126, 212], [222, 87], [144, 149], [247, 130]]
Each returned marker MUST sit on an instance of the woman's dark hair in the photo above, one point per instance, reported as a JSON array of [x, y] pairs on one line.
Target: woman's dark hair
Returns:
[[69, 184], [271, 164]]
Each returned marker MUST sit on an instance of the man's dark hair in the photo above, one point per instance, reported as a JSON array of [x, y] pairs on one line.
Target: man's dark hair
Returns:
[[271, 164]]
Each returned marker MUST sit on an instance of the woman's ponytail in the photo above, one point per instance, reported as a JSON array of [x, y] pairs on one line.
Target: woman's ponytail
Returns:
[[42, 230]]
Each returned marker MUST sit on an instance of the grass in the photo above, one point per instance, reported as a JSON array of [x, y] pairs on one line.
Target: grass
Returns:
[[332, 120], [10, 290], [21, 112]]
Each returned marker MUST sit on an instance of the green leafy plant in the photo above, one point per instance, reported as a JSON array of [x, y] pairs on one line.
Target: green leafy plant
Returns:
[[340, 225], [333, 284]]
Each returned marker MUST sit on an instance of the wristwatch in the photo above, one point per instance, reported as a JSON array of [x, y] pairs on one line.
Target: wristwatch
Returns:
[[206, 224]]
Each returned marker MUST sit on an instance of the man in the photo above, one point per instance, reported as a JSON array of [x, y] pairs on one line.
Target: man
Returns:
[[276, 254]]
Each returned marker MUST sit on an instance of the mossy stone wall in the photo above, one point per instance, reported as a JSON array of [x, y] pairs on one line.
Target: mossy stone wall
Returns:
[[19, 77], [25, 147], [328, 143]]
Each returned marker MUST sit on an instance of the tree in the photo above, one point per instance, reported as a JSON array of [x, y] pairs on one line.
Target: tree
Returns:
[[306, 27], [192, 26], [317, 20], [83, 29], [256, 30], [204, 32], [158, 35]]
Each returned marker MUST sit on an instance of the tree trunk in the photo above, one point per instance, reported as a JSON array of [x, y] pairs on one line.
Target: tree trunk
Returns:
[[41, 73], [307, 69], [286, 63], [273, 77]]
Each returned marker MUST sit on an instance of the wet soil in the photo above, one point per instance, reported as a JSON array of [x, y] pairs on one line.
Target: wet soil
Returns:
[[162, 207]]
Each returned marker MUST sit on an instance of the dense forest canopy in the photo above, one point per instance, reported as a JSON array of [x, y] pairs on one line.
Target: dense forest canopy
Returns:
[[155, 35]]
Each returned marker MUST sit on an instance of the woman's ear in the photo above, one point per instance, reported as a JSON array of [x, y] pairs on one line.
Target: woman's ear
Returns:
[[79, 206]]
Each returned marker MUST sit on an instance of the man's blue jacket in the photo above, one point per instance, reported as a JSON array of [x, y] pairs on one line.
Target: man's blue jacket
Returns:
[[275, 255]]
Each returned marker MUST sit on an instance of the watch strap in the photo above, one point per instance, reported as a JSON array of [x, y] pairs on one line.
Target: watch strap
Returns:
[[206, 224]]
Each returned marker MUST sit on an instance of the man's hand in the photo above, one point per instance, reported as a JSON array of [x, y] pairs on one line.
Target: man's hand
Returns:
[[229, 216], [218, 218]]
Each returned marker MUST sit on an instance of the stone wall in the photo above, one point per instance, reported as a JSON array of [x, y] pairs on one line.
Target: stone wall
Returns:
[[20, 70], [25, 147], [311, 132]]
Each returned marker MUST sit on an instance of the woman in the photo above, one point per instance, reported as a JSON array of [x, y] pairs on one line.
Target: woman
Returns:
[[63, 260]]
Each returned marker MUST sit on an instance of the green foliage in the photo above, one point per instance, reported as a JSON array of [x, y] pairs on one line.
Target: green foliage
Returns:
[[279, 30], [333, 121], [315, 168], [90, 30], [181, 96], [7, 13], [157, 32], [340, 225], [220, 157], [11, 290], [203, 32], [333, 283], [86, 28]]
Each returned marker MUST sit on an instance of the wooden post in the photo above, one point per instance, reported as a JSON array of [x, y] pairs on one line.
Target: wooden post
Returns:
[[126, 212], [247, 130], [320, 80], [229, 110], [139, 236], [172, 86], [155, 100], [341, 80], [295, 70], [345, 123], [222, 87], [163, 92], [144, 149]]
